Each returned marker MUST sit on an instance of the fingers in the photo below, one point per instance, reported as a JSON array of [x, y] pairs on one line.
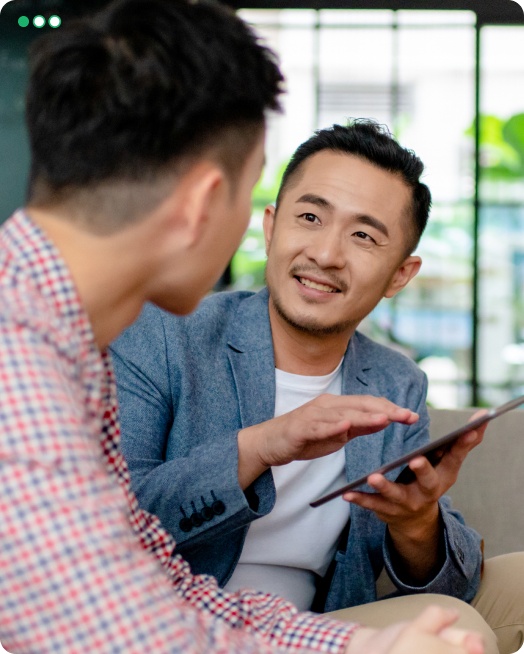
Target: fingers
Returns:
[[404, 508], [437, 621], [434, 619], [470, 440], [426, 488], [474, 643], [467, 442], [319, 427], [471, 641], [427, 477], [446, 472], [386, 509], [367, 404], [430, 633], [453, 459]]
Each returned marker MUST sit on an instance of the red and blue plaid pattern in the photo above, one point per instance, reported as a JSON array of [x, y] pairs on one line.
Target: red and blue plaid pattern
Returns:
[[82, 568]]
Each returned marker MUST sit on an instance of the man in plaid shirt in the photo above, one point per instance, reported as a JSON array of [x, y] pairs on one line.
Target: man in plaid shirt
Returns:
[[146, 126]]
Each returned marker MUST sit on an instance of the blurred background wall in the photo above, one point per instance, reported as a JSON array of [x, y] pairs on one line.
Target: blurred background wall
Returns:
[[447, 77]]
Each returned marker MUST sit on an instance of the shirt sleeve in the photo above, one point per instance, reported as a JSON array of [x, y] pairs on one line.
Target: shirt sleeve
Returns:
[[74, 577]]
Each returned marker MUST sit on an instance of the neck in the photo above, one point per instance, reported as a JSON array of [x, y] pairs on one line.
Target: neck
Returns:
[[105, 270], [302, 353]]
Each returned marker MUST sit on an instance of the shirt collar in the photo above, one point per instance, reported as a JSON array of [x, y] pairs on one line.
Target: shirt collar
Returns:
[[42, 265]]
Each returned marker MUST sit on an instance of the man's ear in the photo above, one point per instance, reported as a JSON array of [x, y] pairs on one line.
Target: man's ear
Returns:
[[199, 195], [269, 224], [404, 274]]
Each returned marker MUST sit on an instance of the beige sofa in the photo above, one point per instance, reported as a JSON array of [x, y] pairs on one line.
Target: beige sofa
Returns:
[[490, 489]]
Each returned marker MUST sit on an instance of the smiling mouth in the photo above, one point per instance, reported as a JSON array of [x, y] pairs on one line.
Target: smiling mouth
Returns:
[[316, 286]]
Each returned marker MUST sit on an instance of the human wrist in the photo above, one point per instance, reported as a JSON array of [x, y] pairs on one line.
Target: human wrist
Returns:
[[419, 530], [250, 462], [417, 554], [358, 640]]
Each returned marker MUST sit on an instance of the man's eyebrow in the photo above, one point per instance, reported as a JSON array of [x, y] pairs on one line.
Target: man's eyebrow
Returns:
[[318, 200], [373, 222]]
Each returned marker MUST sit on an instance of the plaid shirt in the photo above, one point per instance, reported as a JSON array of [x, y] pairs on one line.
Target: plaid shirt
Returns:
[[82, 567]]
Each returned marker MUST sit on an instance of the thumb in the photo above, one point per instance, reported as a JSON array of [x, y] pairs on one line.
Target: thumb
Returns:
[[434, 619]]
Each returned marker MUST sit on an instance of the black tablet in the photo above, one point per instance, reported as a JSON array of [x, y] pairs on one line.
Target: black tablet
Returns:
[[433, 451]]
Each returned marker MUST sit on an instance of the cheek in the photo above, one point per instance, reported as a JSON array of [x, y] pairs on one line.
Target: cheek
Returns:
[[288, 244], [273, 270]]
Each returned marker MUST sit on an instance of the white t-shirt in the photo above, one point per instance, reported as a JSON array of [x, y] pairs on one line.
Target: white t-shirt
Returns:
[[287, 548]]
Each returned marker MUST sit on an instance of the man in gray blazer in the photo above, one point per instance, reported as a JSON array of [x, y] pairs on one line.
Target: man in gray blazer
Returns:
[[235, 418]]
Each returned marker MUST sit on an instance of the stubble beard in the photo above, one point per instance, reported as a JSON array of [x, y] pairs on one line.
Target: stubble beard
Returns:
[[306, 325]]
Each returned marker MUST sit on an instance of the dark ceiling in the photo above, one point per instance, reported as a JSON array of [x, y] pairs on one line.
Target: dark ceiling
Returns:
[[502, 12]]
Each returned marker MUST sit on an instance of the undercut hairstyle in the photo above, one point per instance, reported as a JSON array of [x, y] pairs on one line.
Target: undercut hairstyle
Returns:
[[373, 142], [133, 94]]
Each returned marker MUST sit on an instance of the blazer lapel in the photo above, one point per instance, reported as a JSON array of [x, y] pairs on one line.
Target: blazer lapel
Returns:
[[252, 359], [363, 453], [253, 366]]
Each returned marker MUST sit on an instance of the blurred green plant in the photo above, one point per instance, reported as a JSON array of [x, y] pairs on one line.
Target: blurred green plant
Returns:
[[249, 263], [266, 189], [502, 146]]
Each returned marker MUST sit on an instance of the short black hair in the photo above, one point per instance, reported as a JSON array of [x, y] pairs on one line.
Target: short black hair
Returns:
[[141, 86], [373, 142]]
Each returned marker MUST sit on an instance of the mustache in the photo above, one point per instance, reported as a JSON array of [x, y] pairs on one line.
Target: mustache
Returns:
[[322, 274]]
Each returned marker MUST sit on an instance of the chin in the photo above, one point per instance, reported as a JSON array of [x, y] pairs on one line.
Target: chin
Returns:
[[317, 325], [177, 305], [313, 326]]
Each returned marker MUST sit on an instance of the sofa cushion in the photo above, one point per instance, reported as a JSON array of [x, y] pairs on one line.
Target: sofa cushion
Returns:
[[490, 489]]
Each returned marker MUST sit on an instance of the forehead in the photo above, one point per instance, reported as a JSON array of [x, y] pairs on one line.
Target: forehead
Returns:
[[351, 183]]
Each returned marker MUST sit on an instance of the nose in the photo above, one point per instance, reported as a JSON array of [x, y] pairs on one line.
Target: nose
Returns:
[[326, 248]]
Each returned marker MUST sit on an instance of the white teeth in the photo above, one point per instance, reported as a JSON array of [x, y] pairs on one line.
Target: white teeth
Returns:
[[318, 287]]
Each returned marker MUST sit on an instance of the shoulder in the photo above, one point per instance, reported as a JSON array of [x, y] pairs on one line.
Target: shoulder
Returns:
[[211, 319], [27, 317], [37, 351], [216, 307]]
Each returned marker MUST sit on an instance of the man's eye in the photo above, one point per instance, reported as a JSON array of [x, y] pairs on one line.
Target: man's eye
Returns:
[[364, 236], [309, 217]]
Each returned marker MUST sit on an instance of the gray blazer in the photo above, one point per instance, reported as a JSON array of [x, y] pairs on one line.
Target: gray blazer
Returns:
[[187, 385]]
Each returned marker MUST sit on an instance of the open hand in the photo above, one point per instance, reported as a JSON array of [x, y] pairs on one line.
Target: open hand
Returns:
[[319, 427]]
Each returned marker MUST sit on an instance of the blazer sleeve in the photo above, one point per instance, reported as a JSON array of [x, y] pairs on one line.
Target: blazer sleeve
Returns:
[[459, 575], [194, 489]]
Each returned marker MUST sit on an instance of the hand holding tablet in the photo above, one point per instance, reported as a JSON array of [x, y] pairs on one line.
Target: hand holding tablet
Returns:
[[433, 451]]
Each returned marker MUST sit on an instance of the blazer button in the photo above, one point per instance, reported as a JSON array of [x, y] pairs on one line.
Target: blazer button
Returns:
[[207, 513], [196, 519], [218, 507], [185, 524]]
